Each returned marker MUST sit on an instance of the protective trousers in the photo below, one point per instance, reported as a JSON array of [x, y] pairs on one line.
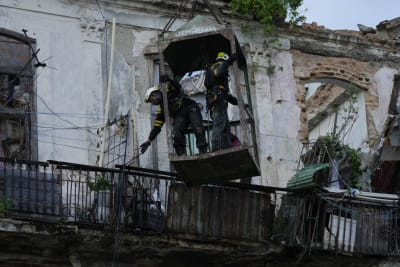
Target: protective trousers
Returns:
[[189, 115], [220, 138]]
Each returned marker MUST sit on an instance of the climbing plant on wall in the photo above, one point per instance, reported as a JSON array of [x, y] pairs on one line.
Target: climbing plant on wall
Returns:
[[270, 13], [349, 159]]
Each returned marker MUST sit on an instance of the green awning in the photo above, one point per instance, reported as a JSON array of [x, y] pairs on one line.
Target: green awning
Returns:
[[307, 177]]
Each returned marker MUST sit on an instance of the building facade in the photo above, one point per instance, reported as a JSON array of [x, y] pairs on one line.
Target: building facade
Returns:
[[70, 83]]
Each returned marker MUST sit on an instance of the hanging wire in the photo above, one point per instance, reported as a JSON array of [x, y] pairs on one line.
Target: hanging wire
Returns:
[[59, 117], [51, 126], [62, 137], [120, 195], [64, 114], [64, 145]]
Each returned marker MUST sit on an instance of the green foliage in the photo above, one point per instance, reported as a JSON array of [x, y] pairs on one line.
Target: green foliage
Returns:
[[270, 13], [344, 153], [350, 113], [5, 206], [271, 68], [100, 183]]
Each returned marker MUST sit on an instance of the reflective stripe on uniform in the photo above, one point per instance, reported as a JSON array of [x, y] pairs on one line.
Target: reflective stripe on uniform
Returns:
[[158, 123], [214, 68]]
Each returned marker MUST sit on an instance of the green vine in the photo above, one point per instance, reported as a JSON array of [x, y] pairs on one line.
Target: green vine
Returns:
[[270, 13], [100, 183], [341, 152]]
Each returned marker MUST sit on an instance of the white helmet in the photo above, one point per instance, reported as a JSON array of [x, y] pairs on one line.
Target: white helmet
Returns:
[[223, 56], [149, 92]]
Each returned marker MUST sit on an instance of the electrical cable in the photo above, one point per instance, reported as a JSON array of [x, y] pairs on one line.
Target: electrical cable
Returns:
[[121, 186], [44, 126], [76, 147], [59, 117], [63, 138], [65, 114]]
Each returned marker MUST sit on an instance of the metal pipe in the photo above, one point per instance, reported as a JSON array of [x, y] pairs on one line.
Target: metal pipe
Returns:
[[165, 97], [108, 93]]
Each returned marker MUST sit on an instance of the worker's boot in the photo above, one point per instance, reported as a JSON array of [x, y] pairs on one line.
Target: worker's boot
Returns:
[[202, 150], [180, 151]]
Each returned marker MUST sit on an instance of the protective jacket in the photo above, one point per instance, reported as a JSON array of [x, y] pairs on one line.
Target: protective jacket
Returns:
[[217, 83], [177, 102], [218, 96]]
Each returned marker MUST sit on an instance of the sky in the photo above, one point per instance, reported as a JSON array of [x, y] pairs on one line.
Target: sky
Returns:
[[346, 14]]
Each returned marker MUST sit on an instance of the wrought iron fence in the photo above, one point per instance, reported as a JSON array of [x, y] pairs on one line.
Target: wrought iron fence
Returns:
[[133, 198], [343, 225], [156, 200], [30, 187]]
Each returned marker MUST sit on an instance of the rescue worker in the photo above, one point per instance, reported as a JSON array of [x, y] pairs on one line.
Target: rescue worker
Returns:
[[183, 111], [218, 96]]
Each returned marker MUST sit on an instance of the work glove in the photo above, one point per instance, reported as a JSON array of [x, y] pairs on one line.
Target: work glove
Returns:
[[231, 99], [164, 78], [144, 146]]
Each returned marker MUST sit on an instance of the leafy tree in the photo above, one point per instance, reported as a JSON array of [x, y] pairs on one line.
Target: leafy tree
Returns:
[[349, 158], [270, 13]]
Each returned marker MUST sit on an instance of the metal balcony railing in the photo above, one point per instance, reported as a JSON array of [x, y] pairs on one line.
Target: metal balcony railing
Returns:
[[30, 187], [134, 198], [85, 194], [342, 225], [156, 200], [191, 148]]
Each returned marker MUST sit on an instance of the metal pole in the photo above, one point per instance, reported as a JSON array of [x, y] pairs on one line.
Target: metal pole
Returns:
[[164, 95], [108, 93], [243, 131]]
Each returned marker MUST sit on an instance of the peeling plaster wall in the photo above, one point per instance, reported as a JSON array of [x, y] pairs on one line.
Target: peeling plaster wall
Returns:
[[72, 81], [276, 112], [376, 80], [383, 79], [71, 36]]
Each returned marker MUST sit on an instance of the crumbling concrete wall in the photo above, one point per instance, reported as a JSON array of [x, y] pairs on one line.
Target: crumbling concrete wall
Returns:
[[75, 38]]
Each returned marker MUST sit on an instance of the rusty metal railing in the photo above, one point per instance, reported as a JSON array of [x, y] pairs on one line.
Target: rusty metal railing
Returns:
[[342, 224], [134, 198], [62, 191], [158, 201], [30, 187]]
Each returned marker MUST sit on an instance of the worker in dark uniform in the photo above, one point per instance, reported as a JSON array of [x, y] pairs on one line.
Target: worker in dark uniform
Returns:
[[218, 96], [183, 111]]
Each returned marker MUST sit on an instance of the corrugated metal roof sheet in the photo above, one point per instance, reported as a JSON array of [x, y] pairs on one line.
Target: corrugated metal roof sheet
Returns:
[[220, 212], [304, 178]]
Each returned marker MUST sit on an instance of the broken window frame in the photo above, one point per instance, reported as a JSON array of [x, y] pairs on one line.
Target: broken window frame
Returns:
[[19, 104]]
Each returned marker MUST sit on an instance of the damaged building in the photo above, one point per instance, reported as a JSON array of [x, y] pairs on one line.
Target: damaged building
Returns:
[[76, 191]]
